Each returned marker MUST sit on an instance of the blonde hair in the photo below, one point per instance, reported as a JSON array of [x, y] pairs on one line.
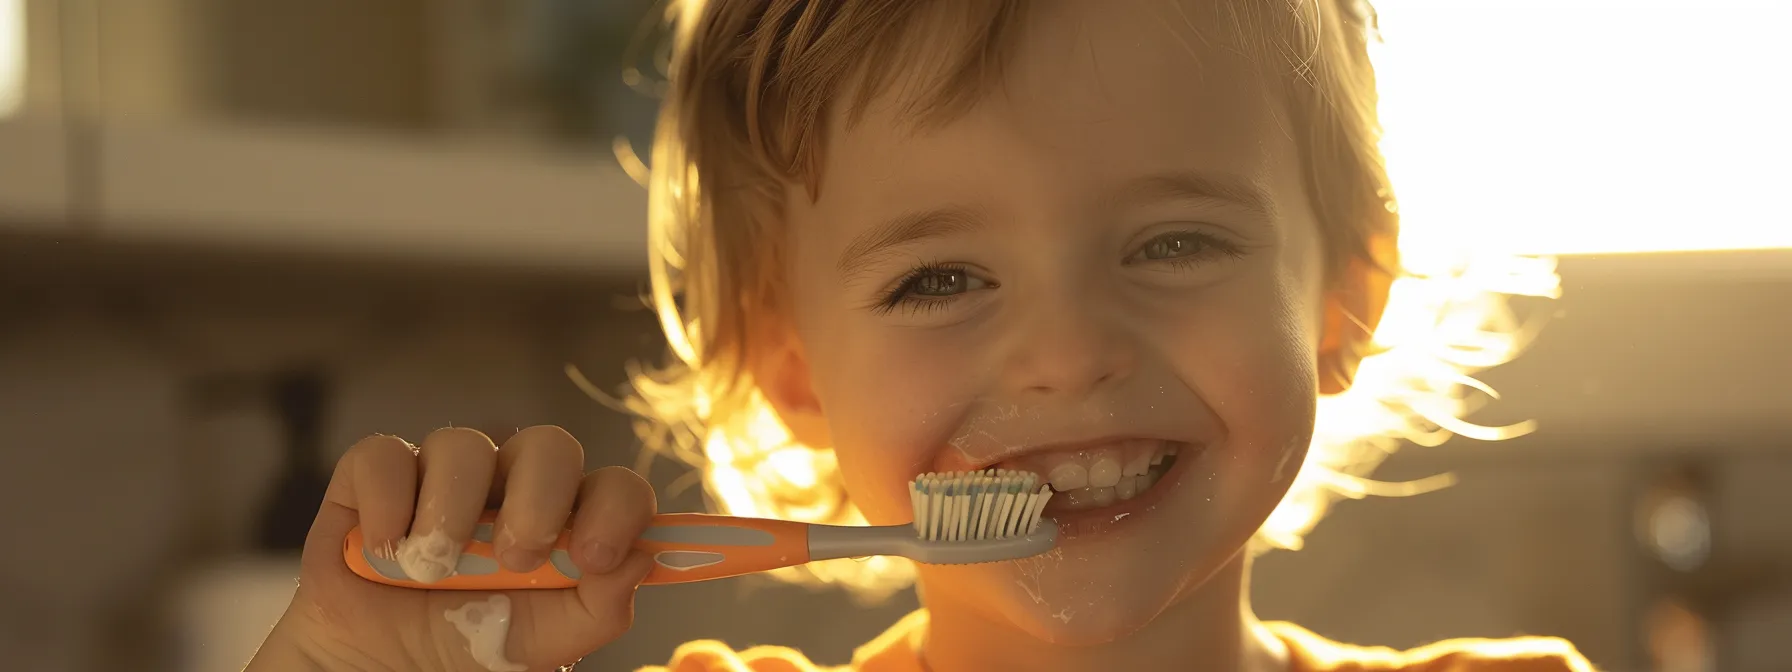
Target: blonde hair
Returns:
[[751, 82]]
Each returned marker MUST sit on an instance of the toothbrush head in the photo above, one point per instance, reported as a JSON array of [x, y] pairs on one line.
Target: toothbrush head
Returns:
[[979, 516]]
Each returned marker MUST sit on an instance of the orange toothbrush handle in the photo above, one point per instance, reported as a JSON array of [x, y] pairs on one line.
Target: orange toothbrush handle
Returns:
[[685, 546]]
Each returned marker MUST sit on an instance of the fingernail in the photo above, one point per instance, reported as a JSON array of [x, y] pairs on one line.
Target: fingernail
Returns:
[[522, 559], [602, 557], [429, 558]]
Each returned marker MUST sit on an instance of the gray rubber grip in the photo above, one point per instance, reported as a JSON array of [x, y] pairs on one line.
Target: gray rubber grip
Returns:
[[709, 535]]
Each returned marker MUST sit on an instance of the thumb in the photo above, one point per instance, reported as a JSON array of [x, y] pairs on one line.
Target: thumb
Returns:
[[323, 544], [328, 592], [565, 625], [609, 598]]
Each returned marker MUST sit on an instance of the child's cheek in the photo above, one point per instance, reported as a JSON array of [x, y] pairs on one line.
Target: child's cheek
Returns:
[[1247, 351], [1275, 392], [890, 411]]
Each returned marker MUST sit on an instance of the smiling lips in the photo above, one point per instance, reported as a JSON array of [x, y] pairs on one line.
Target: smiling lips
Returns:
[[1098, 475]]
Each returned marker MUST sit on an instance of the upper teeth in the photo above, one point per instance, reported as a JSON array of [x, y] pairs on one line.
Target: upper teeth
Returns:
[[1106, 466]]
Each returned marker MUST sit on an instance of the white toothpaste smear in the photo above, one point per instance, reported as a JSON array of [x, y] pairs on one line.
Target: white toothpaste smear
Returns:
[[486, 625], [429, 558]]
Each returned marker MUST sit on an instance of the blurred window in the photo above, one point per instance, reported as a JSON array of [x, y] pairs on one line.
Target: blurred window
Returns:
[[12, 56]]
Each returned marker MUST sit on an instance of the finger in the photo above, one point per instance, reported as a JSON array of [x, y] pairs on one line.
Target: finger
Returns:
[[615, 505], [540, 470], [500, 437], [457, 466], [375, 487], [377, 478]]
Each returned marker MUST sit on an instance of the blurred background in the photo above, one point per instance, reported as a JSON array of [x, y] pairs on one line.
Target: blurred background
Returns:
[[237, 235]]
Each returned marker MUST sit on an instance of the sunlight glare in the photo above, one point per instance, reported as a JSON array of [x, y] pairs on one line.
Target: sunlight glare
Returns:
[[1588, 126]]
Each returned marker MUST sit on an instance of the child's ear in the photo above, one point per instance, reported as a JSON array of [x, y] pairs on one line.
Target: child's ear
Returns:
[[782, 373], [1353, 308]]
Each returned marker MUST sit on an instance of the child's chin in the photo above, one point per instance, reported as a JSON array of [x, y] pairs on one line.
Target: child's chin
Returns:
[[1062, 598], [1097, 620]]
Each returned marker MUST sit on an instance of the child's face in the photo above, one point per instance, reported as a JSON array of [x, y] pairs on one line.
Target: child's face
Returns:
[[1112, 255]]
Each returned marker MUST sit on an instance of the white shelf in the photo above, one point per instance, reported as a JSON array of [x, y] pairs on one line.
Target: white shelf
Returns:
[[34, 191], [361, 195]]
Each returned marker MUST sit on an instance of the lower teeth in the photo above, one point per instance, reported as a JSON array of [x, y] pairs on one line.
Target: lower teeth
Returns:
[[1128, 488]]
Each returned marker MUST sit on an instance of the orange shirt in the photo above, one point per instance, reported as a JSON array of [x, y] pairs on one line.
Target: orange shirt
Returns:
[[896, 650]]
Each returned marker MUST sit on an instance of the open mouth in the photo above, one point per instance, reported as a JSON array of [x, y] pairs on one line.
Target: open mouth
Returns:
[[1100, 476]]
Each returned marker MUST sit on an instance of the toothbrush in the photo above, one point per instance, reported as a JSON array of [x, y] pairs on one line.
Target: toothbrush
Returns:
[[960, 518]]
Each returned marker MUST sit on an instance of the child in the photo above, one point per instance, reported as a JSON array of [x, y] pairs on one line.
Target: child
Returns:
[[897, 236]]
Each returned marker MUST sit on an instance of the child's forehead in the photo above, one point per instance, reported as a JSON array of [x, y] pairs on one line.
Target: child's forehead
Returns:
[[1062, 54], [1103, 88]]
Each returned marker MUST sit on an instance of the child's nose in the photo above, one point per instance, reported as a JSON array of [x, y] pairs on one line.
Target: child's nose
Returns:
[[1068, 349]]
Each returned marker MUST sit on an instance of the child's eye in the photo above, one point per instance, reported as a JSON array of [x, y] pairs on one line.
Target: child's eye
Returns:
[[1170, 246], [931, 285], [1183, 247], [945, 282]]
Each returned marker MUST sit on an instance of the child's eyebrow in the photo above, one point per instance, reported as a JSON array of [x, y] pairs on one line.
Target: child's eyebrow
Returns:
[[906, 229], [1189, 185]]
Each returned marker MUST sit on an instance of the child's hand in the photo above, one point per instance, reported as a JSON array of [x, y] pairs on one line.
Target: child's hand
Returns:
[[338, 620]]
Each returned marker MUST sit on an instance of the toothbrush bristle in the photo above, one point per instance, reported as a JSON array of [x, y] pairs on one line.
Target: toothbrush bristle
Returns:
[[976, 505]]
